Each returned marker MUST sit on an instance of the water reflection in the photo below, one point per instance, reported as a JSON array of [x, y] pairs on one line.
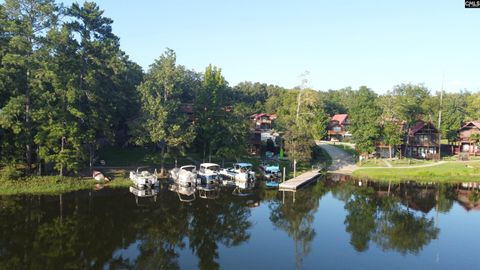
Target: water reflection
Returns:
[[393, 217], [106, 229], [296, 218]]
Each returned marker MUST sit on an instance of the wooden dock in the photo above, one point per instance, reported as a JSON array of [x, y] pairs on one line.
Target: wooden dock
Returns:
[[299, 181]]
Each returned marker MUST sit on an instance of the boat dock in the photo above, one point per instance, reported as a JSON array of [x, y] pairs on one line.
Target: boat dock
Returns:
[[299, 181]]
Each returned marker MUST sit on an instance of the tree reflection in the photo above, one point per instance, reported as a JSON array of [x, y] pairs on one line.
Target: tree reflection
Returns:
[[361, 220], [403, 231], [383, 219], [224, 221], [41, 233], [296, 218]]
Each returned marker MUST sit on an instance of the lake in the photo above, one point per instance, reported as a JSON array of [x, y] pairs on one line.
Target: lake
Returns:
[[336, 223]]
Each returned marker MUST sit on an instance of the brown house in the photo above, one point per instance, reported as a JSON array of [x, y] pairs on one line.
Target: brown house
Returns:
[[262, 121], [466, 143], [261, 130], [422, 141], [338, 127]]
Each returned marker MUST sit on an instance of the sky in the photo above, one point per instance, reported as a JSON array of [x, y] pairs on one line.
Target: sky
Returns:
[[379, 44]]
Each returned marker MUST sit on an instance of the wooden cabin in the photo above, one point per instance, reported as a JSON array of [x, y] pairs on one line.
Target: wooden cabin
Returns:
[[261, 129], [422, 141], [465, 143], [262, 121], [338, 127]]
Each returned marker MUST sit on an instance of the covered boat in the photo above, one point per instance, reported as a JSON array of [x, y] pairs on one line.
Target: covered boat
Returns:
[[208, 173], [142, 178], [239, 172], [270, 171], [185, 176]]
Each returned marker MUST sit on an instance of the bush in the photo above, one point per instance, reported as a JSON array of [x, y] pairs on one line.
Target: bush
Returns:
[[9, 172]]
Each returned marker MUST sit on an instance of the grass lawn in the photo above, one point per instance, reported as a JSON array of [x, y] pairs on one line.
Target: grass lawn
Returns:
[[371, 163], [54, 185], [394, 163], [447, 172]]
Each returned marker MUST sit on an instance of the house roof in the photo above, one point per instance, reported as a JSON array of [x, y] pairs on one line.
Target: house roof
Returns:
[[418, 126], [340, 118], [475, 123], [258, 115]]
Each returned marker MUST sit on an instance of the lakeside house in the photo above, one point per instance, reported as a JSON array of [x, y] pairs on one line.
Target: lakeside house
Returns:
[[262, 121], [466, 144], [422, 141], [338, 127], [261, 130]]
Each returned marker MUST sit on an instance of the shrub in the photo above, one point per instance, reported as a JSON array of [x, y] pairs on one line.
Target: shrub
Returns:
[[10, 172]]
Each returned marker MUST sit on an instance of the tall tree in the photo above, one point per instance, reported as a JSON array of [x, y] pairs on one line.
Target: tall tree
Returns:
[[161, 121], [412, 102], [215, 119], [26, 22], [453, 114], [365, 116], [99, 55], [59, 136], [392, 134]]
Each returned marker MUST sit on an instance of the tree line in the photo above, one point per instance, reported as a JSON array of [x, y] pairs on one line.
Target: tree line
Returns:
[[384, 117], [67, 89]]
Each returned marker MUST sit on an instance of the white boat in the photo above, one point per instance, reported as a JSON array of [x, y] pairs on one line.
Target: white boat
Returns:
[[270, 171], [208, 173], [240, 172], [144, 178], [185, 176]]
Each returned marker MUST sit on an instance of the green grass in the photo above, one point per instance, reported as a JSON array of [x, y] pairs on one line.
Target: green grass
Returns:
[[447, 172], [54, 185], [395, 163], [371, 163]]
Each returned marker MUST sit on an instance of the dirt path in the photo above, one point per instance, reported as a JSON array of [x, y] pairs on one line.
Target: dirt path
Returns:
[[342, 162]]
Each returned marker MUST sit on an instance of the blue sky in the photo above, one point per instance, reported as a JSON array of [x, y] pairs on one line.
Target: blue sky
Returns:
[[342, 43]]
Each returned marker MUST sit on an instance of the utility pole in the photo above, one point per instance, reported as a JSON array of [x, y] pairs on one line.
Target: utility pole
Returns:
[[440, 122]]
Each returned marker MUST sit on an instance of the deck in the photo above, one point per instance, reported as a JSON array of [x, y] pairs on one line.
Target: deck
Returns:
[[299, 181]]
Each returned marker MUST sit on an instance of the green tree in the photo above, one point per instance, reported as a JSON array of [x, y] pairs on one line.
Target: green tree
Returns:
[[453, 114], [392, 135], [98, 52], [473, 107], [221, 127], [59, 137], [161, 121], [365, 117], [25, 22], [411, 102]]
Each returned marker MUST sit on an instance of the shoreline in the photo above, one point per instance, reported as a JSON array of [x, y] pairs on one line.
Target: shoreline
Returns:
[[53, 185], [442, 172]]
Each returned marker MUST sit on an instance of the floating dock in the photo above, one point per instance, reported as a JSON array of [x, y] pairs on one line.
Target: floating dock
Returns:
[[299, 181]]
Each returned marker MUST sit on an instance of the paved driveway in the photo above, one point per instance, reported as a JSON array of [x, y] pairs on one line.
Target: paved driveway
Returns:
[[342, 162]]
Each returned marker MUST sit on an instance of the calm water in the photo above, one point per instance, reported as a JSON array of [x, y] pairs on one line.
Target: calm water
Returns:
[[330, 225]]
